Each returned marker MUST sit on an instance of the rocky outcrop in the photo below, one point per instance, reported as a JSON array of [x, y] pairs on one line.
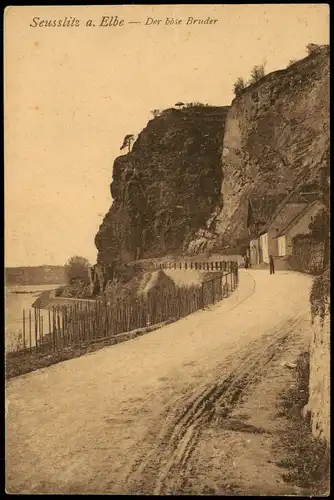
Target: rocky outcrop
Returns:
[[276, 138], [319, 383], [184, 186], [166, 188]]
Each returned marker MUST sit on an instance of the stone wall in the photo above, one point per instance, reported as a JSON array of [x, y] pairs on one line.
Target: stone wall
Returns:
[[319, 398], [318, 406], [307, 255]]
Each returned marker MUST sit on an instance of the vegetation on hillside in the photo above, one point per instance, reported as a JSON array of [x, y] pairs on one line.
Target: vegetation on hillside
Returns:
[[320, 296], [77, 277], [306, 461], [127, 142], [258, 72], [77, 268]]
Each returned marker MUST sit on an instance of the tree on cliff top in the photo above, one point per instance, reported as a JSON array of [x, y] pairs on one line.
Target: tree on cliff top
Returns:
[[257, 73], [239, 86], [76, 268], [312, 48], [128, 140], [291, 62], [156, 113]]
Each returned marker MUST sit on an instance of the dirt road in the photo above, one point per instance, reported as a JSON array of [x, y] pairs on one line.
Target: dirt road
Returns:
[[126, 419]]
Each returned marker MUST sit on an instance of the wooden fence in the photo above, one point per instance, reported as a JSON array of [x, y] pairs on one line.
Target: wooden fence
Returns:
[[70, 325], [225, 266]]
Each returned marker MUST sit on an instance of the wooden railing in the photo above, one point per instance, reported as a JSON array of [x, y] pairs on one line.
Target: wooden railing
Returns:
[[222, 265], [70, 325]]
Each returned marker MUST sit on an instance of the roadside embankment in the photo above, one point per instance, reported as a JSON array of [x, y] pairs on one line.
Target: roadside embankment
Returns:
[[319, 386]]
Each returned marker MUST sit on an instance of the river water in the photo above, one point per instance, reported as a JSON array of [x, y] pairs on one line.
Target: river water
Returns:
[[15, 303]]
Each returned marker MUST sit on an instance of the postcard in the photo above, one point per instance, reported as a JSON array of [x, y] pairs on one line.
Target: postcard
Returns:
[[167, 187]]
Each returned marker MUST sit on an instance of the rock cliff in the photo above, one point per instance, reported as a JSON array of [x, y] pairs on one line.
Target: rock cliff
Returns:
[[166, 188], [276, 138], [184, 186]]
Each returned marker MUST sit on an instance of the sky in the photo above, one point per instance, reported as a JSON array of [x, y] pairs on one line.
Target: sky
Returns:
[[73, 93]]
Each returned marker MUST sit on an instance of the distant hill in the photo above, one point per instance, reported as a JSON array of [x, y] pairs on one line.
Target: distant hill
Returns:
[[39, 275]]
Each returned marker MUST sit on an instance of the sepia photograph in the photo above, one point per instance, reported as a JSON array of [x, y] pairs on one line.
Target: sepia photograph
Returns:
[[167, 250]]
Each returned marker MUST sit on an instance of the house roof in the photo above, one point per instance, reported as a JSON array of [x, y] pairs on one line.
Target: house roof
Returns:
[[293, 220], [298, 201], [292, 197], [289, 213], [263, 207]]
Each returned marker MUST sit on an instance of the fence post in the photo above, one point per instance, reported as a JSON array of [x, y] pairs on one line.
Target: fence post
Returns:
[[203, 305], [57, 343], [129, 317], [42, 328], [30, 329], [24, 329], [63, 326], [58, 327], [49, 317], [54, 329], [36, 326], [213, 290]]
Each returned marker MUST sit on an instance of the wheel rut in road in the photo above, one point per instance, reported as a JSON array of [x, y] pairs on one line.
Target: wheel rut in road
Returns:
[[161, 471]]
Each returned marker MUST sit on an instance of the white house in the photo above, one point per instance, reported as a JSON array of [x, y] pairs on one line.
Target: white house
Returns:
[[292, 215], [260, 209]]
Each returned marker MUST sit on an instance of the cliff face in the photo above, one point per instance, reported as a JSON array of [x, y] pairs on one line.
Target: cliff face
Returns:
[[276, 138], [166, 188], [185, 185]]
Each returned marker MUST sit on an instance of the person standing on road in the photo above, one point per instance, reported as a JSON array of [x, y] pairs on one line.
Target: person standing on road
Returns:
[[271, 264], [246, 261]]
